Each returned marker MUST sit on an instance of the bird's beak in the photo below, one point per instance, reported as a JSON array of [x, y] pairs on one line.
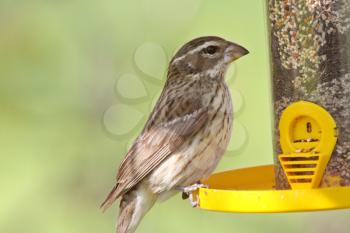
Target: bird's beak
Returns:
[[234, 51]]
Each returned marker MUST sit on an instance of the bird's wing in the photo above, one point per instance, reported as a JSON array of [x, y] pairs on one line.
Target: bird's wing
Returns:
[[152, 147]]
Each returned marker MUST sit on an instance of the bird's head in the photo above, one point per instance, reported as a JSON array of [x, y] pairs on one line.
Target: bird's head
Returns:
[[209, 56]]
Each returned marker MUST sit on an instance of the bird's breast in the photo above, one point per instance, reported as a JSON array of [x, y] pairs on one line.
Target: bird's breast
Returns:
[[199, 156]]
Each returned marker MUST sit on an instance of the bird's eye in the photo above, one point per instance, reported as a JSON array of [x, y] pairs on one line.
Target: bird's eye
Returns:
[[211, 49]]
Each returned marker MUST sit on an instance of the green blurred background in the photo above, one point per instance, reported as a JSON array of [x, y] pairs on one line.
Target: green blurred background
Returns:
[[68, 111]]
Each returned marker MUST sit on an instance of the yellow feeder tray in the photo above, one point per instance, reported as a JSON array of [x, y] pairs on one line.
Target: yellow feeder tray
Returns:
[[308, 136], [252, 190]]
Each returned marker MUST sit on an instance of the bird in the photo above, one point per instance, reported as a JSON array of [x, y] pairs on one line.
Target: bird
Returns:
[[185, 135]]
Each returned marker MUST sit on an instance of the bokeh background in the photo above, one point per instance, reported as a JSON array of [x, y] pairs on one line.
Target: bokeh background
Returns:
[[77, 81]]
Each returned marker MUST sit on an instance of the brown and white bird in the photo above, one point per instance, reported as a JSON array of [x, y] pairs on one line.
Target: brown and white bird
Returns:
[[186, 134]]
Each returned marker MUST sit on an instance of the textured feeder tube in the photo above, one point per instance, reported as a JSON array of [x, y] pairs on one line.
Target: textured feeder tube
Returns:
[[310, 52]]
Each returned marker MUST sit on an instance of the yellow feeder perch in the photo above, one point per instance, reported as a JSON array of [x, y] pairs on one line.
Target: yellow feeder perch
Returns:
[[307, 137]]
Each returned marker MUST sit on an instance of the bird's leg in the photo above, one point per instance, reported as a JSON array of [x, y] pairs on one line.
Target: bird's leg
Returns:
[[188, 190], [194, 187]]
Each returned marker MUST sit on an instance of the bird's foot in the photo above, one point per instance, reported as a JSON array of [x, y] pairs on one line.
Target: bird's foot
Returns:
[[187, 192], [194, 187]]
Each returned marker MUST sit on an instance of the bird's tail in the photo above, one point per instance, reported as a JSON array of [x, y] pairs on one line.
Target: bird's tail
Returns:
[[133, 206], [112, 196]]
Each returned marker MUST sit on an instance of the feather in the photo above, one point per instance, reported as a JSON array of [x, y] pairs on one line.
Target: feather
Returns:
[[153, 147]]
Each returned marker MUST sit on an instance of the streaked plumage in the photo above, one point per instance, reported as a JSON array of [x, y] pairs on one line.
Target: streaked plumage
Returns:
[[186, 134]]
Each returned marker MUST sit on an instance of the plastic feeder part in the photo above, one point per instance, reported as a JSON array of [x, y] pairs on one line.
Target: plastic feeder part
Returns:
[[307, 136], [252, 190]]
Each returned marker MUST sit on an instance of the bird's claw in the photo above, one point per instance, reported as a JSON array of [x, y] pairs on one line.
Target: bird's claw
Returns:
[[188, 192], [194, 187]]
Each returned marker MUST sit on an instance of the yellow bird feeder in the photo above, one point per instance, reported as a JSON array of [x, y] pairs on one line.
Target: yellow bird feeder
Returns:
[[308, 136]]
